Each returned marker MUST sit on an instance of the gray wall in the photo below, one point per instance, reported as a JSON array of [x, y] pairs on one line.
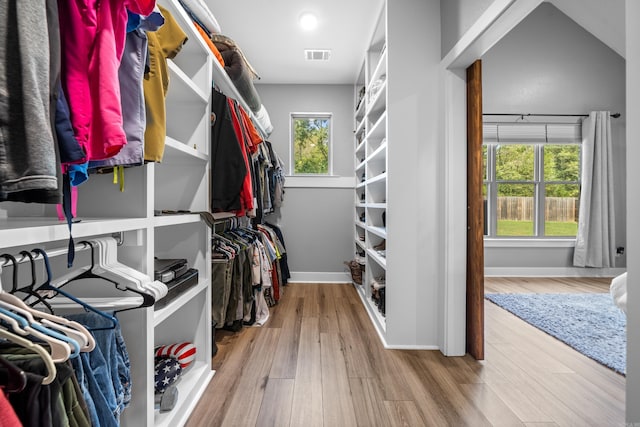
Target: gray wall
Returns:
[[317, 222], [549, 64], [456, 17]]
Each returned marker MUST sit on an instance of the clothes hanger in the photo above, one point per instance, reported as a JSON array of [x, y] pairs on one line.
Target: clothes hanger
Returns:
[[20, 317], [78, 333], [48, 287], [12, 378], [27, 289], [130, 278], [46, 357], [118, 277], [22, 323]]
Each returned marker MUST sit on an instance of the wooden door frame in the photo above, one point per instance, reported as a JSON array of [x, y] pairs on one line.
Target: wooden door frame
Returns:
[[475, 216]]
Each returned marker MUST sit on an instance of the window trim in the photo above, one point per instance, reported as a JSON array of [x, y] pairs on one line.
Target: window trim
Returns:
[[314, 115]]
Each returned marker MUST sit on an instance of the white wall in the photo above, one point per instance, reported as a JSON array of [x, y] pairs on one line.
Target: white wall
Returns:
[[317, 222], [633, 207], [456, 17], [549, 64]]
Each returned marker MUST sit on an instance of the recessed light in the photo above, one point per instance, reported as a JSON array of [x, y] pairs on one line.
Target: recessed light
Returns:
[[308, 21]]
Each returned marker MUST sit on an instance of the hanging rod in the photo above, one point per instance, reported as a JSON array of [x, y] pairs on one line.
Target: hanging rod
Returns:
[[51, 253], [614, 115]]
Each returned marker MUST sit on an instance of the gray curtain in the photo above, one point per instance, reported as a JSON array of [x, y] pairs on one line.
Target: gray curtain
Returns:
[[595, 242]]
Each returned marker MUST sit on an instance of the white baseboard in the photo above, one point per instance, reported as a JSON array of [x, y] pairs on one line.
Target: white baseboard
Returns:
[[410, 347], [319, 277], [552, 272]]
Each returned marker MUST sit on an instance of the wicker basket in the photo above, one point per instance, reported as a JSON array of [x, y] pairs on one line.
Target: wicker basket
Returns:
[[356, 271]]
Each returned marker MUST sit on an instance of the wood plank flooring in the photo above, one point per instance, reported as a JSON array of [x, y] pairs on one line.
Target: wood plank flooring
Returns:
[[318, 362]]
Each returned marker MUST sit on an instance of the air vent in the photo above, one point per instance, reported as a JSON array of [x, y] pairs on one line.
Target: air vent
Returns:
[[317, 54]]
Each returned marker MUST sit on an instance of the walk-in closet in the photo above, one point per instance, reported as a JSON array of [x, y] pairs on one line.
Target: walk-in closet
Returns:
[[303, 213]]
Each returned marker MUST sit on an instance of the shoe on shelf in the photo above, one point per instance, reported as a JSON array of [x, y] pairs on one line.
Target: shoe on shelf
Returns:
[[380, 246]]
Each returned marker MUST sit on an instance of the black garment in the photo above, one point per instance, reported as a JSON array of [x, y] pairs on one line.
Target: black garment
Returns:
[[38, 405], [284, 266], [227, 162]]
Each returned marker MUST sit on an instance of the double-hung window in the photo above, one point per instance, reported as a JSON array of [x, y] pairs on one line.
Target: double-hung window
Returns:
[[532, 179], [310, 144]]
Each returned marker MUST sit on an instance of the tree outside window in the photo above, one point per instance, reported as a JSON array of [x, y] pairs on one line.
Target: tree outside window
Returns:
[[311, 144]]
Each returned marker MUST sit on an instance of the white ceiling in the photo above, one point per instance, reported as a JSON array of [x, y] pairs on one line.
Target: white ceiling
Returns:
[[269, 35]]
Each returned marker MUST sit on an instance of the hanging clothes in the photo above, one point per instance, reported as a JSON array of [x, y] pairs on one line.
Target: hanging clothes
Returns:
[[29, 169], [8, 417], [228, 167], [163, 44], [93, 38], [131, 75]]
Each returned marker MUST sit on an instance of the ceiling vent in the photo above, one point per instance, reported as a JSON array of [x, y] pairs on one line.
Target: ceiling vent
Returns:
[[317, 54]]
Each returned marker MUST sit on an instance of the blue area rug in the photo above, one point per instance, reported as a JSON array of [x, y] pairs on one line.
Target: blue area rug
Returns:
[[590, 323]]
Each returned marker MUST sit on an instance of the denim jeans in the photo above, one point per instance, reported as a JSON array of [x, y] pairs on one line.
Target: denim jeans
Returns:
[[104, 373]]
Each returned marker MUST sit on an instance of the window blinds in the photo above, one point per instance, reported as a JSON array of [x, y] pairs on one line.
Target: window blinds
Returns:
[[532, 133]]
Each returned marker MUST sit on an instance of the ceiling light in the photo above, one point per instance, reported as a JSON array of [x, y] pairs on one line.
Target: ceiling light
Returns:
[[308, 21]]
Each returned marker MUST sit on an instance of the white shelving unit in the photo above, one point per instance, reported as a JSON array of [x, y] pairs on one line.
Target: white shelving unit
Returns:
[[390, 141], [370, 121], [180, 182]]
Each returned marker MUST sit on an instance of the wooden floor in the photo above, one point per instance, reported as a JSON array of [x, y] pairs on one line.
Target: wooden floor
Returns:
[[319, 362]]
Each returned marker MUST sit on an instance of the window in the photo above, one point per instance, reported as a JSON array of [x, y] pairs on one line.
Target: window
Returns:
[[310, 144], [531, 188]]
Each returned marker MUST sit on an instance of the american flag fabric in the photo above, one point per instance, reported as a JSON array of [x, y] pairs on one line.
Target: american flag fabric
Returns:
[[167, 371], [184, 352]]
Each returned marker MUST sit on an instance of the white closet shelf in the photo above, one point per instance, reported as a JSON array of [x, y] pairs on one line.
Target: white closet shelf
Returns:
[[360, 244], [382, 262], [360, 125], [168, 220], [360, 166], [191, 387], [379, 129], [360, 147], [361, 224], [377, 179], [377, 205], [164, 313], [29, 231], [360, 185], [380, 68], [175, 152], [182, 89], [378, 231], [361, 205], [379, 101], [378, 153]]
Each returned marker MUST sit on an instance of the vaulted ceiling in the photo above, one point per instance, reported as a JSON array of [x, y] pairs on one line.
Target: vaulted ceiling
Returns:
[[269, 34]]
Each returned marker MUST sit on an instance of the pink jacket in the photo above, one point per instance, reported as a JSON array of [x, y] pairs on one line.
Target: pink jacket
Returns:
[[93, 35]]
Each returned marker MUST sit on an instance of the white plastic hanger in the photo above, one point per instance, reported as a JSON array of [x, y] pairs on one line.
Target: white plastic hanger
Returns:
[[60, 350], [109, 246], [121, 278], [109, 263], [68, 327], [46, 357]]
